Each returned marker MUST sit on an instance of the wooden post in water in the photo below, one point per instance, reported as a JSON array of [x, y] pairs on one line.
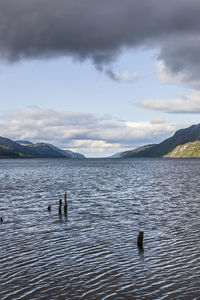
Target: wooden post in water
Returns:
[[140, 239], [65, 205], [65, 197], [49, 207], [1, 220], [60, 207]]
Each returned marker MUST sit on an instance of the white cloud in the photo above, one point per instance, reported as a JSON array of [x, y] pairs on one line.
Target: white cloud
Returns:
[[180, 104], [85, 132], [143, 130], [122, 76]]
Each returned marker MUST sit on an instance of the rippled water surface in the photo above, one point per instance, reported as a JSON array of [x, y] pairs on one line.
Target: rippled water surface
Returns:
[[92, 252]]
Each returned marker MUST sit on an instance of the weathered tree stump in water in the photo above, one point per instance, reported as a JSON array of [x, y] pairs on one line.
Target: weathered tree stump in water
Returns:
[[140, 239]]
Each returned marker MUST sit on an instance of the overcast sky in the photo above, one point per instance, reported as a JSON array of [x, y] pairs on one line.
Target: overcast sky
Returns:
[[98, 77]]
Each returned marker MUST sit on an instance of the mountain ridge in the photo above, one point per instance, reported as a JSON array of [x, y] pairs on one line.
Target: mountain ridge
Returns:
[[165, 148], [26, 149]]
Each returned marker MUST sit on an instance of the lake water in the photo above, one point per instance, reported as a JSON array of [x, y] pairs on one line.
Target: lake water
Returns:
[[92, 253]]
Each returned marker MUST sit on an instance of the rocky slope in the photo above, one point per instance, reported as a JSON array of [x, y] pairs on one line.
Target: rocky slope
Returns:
[[191, 149]]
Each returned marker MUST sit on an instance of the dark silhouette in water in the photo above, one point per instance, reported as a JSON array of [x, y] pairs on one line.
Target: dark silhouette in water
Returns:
[[140, 240], [1, 220], [49, 207], [65, 197], [60, 207], [65, 209], [65, 206]]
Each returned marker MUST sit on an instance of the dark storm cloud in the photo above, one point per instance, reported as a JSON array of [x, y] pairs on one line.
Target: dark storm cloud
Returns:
[[100, 29]]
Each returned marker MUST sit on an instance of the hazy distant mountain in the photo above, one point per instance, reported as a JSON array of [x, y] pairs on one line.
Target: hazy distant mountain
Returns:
[[48, 150], [179, 145], [24, 143], [26, 149], [74, 154], [114, 155], [134, 152]]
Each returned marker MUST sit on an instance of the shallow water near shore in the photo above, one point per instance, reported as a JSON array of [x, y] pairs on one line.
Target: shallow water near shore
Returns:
[[92, 252]]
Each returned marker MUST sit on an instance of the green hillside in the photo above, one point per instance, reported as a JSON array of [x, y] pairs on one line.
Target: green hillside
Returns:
[[11, 149], [7, 152], [191, 149]]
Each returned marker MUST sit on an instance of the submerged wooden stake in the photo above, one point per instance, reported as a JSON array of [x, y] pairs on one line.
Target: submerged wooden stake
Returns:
[[1, 220], [65, 197], [49, 207], [140, 239], [65, 209], [65, 206], [60, 207]]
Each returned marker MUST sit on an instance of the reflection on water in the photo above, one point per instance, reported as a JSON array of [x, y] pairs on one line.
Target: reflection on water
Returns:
[[92, 252]]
